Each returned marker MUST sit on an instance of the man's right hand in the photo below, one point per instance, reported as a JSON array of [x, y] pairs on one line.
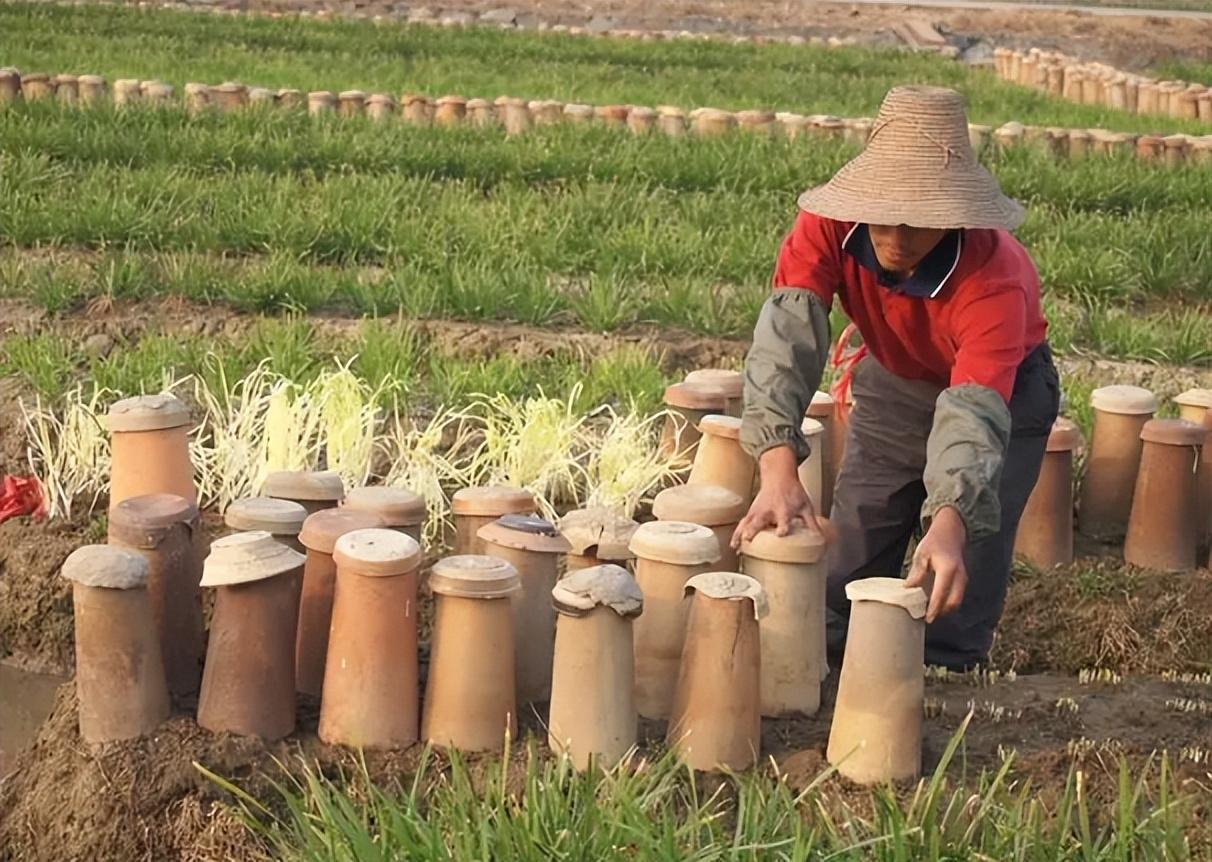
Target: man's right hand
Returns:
[[781, 501]]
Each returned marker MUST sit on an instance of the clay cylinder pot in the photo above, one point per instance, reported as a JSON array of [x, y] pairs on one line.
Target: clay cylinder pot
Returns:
[[793, 126], [578, 113], [1045, 532], [1117, 93], [831, 445], [810, 470], [671, 121], [716, 722], [641, 120], [856, 131], [546, 112], [1163, 532], [197, 97], [321, 102], [1073, 84], [688, 403], [248, 684], [474, 508], [370, 678], [282, 519], [290, 99], [119, 674], [417, 109], [164, 529], [515, 115], [1146, 98], [229, 96], [597, 536], [791, 570], [470, 691], [757, 122], [262, 97], [731, 383], [449, 111], [612, 115], [1149, 148], [1092, 90], [314, 490], [1055, 80], [398, 508], [127, 92], [720, 460], [36, 85], [716, 508], [149, 449], [978, 137], [481, 113], [1008, 136], [593, 719], [533, 546], [91, 90], [1079, 143], [710, 122], [351, 103], [876, 735], [380, 106], [1204, 106], [319, 537], [67, 89], [1194, 406], [1175, 149], [156, 93], [10, 86], [668, 554], [1201, 151], [1120, 413]]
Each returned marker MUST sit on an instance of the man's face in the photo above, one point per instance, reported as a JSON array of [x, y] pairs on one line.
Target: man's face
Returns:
[[900, 248]]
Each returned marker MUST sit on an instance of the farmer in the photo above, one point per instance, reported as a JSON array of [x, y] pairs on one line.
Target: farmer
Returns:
[[955, 393]]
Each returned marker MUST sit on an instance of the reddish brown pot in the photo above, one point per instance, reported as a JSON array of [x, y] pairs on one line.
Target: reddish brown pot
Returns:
[[398, 508], [417, 110], [314, 490], [248, 684], [10, 86], [716, 722], [688, 404], [351, 103], [514, 114], [1120, 412], [668, 554], [127, 91], [229, 96], [597, 536], [164, 529], [380, 106], [757, 122], [822, 409], [577, 113], [450, 111], [715, 508], [612, 115], [546, 112], [319, 537], [36, 85], [197, 97], [370, 679], [672, 121], [1193, 405], [731, 383], [720, 460], [470, 692], [282, 519], [475, 508], [149, 443], [482, 113], [119, 674], [1163, 532], [321, 102], [67, 89], [641, 120], [1045, 532], [92, 90]]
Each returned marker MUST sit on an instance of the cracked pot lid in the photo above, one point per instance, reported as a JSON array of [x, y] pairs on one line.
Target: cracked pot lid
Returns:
[[398, 507], [1174, 432], [322, 529], [278, 517], [599, 532], [377, 552], [525, 533], [731, 382], [675, 542], [889, 591], [610, 586], [474, 576], [709, 505], [242, 558], [106, 566], [147, 413], [708, 397], [492, 501], [802, 544], [730, 586], [1128, 400]]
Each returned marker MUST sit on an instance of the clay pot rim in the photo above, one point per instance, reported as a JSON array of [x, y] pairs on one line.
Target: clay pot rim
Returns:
[[243, 558], [729, 586], [450, 100], [492, 501], [800, 546], [474, 576], [230, 87], [321, 530], [35, 77], [598, 529], [678, 543], [106, 566], [578, 593], [398, 507], [380, 99], [1174, 432], [732, 382], [321, 94], [377, 552], [500, 532], [718, 425], [147, 413], [312, 485], [1124, 400], [889, 591], [821, 406], [810, 427], [145, 521], [90, 79], [271, 514], [696, 396], [351, 94], [709, 505], [1194, 398], [1064, 437]]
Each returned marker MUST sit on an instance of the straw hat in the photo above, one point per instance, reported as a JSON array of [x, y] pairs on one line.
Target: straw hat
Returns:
[[918, 169]]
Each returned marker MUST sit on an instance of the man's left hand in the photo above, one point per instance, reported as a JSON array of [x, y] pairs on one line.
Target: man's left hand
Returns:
[[938, 563]]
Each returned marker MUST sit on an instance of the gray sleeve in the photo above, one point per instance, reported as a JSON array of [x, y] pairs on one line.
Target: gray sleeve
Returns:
[[783, 369], [965, 455]]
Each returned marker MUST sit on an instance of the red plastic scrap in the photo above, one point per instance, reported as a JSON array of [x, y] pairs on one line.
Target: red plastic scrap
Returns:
[[21, 495]]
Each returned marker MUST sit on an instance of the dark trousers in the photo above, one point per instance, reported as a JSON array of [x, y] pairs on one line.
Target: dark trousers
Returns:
[[879, 494]]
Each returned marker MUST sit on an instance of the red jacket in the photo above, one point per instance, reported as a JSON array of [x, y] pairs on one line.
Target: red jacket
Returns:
[[979, 325]]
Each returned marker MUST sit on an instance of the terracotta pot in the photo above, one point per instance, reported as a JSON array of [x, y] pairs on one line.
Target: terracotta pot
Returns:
[[321, 102], [978, 137], [1092, 90], [10, 86], [830, 127], [127, 92], [811, 470], [1079, 143], [481, 113], [351, 103], [1120, 412], [597, 536], [593, 717], [641, 120], [1201, 151], [1187, 102], [229, 96], [474, 508], [577, 113], [612, 115], [319, 537], [370, 679], [793, 126], [1204, 106], [1175, 149], [1147, 98], [515, 115], [36, 85], [1194, 406], [164, 529], [1117, 93], [533, 546], [688, 403], [757, 122], [398, 508], [1163, 532], [1073, 84], [119, 673], [546, 112], [1045, 532], [157, 93], [668, 554], [67, 89], [197, 97], [1149, 147], [417, 109], [314, 490], [671, 121], [248, 684], [720, 460], [823, 410], [791, 570], [731, 382], [291, 100], [380, 106], [449, 111], [91, 90], [282, 519], [470, 691], [149, 443], [876, 735], [716, 721], [262, 97], [710, 122], [715, 508], [1121, 144]]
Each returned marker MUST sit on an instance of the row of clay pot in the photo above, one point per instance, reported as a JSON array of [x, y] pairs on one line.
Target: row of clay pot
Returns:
[[1099, 84], [1172, 150], [1147, 481]]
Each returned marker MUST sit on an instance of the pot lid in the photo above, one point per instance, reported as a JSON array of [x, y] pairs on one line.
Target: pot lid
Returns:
[[801, 545], [1195, 398], [91, 79], [811, 428], [377, 552], [317, 485], [709, 505], [351, 95], [696, 396], [732, 382], [492, 501], [230, 87], [477, 104], [728, 427], [450, 100], [889, 591], [147, 413], [1065, 436], [731, 587], [380, 99], [1129, 400], [579, 592], [1174, 432], [106, 566], [821, 406], [322, 529], [599, 532], [245, 557], [525, 533], [274, 516], [398, 507], [474, 576], [144, 521], [755, 116], [675, 542], [321, 96]]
